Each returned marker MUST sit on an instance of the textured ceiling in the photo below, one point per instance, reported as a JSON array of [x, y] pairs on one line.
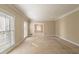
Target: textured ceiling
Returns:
[[45, 12]]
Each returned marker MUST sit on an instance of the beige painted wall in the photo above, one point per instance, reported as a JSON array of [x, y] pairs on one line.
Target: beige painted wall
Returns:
[[68, 27], [19, 21], [49, 27]]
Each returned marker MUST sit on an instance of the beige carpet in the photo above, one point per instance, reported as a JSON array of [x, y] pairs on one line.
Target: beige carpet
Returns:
[[42, 45]]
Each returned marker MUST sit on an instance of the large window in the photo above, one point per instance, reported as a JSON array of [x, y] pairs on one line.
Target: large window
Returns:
[[6, 31]]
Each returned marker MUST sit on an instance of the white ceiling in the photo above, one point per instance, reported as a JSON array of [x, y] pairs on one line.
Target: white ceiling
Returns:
[[44, 12]]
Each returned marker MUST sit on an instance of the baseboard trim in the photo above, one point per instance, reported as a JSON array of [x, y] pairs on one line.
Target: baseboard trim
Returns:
[[68, 41], [50, 35], [13, 47], [16, 45]]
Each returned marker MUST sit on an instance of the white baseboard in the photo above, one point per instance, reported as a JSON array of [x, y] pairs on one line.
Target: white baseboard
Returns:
[[19, 42], [12, 47], [68, 41], [49, 35]]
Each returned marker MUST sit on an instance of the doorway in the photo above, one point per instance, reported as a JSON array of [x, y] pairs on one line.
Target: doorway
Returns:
[[39, 29], [25, 29]]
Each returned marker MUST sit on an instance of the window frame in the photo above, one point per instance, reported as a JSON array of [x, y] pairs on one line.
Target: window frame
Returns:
[[10, 30]]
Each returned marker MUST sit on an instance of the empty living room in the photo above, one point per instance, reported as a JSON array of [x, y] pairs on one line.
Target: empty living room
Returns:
[[39, 28]]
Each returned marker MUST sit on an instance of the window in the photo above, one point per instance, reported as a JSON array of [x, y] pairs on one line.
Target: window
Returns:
[[7, 29], [38, 27]]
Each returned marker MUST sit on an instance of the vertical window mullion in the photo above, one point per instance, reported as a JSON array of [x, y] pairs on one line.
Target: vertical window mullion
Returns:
[[10, 30]]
